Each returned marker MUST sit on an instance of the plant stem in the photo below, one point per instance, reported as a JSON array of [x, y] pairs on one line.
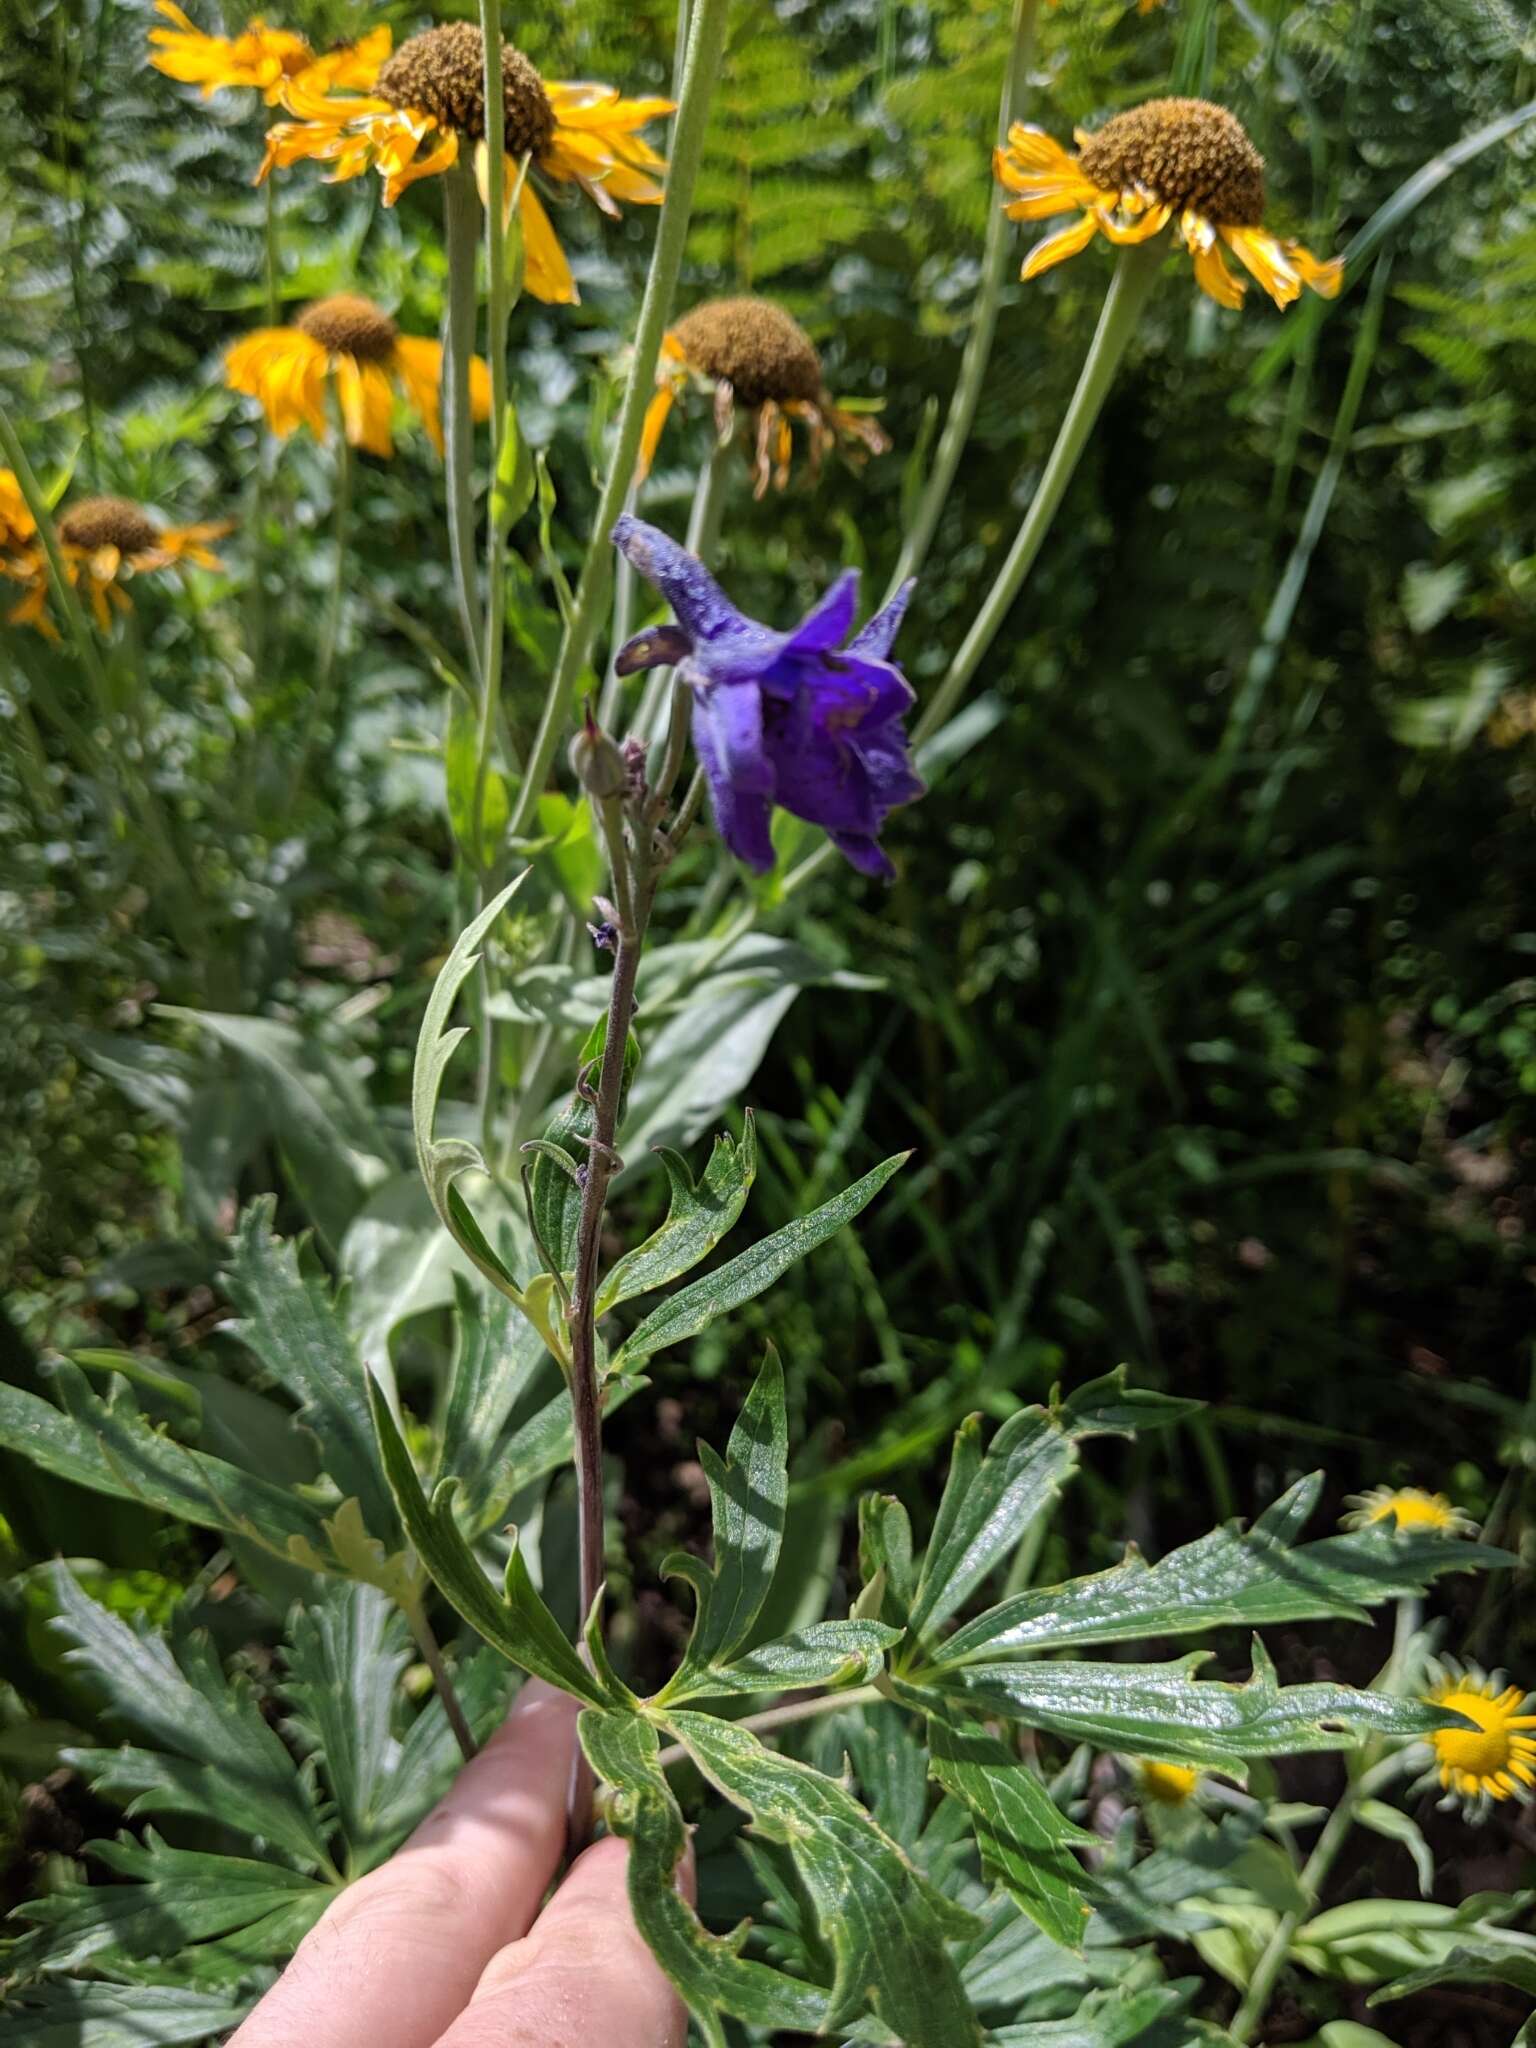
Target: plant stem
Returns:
[[978, 341], [330, 632], [1135, 273], [58, 576], [786, 1716], [706, 43], [432, 1657], [497, 312], [461, 231]]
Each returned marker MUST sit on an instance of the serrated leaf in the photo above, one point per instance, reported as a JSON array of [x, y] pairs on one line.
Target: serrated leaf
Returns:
[[1122, 2019], [1112, 1407], [215, 1755], [709, 1971], [290, 1325], [748, 1496], [694, 1308], [442, 1160], [346, 1652], [110, 1446], [1024, 1838], [884, 1925], [1164, 1711], [515, 1622], [698, 1216], [1229, 1577], [174, 1897], [78, 2015], [825, 1653]]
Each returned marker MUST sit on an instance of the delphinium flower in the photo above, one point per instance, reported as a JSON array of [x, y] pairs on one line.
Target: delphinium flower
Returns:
[[104, 541], [261, 58], [349, 343], [751, 353], [794, 719], [1493, 1760], [1176, 163], [1408, 1508], [424, 103]]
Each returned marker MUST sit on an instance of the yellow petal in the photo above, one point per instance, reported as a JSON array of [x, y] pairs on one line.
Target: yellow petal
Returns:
[[1058, 247], [1262, 257], [546, 273], [650, 434]]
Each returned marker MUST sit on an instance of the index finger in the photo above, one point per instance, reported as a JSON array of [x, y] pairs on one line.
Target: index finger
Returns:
[[398, 1954]]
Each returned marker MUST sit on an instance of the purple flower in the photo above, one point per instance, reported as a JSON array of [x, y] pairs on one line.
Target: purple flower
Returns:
[[794, 719]]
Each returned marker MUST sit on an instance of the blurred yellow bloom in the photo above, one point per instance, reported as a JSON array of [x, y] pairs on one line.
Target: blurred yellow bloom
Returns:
[[349, 342], [1168, 1784], [16, 522], [1492, 1760], [1142, 6], [411, 117], [103, 541], [750, 352], [1176, 163], [1409, 1507], [262, 58]]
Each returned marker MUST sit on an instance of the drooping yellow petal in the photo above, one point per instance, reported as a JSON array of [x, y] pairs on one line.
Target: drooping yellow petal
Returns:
[[1058, 247], [596, 143], [546, 272], [1125, 233], [1262, 257], [656, 415], [418, 363], [284, 369], [1323, 276]]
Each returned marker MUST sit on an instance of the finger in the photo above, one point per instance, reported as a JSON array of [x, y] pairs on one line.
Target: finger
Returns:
[[583, 1975], [399, 1952]]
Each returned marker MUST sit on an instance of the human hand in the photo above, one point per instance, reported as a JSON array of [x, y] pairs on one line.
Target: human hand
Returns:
[[444, 1946]]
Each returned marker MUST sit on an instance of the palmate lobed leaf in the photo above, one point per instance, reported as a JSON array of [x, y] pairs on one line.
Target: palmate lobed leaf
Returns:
[[990, 1500], [694, 1308], [62, 2014], [1228, 1577], [1163, 1710], [884, 1924], [698, 1215]]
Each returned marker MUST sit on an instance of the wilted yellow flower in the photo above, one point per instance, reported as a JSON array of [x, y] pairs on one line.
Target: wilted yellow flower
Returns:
[[104, 540], [1409, 1507], [410, 119], [1174, 163], [1494, 1759], [350, 342], [260, 57], [750, 352], [17, 525], [1167, 1784]]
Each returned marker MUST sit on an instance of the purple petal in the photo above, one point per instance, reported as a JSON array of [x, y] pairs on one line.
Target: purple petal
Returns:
[[893, 779], [826, 623], [867, 855], [728, 739], [878, 637], [729, 647], [656, 647]]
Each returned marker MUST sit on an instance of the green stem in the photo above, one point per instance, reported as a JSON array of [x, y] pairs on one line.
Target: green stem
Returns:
[[461, 233], [786, 1716], [1135, 274], [330, 633], [64, 591], [432, 1657], [706, 44], [978, 341]]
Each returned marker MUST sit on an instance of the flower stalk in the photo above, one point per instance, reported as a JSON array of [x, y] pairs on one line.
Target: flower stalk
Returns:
[[996, 252], [706, 45], [461, 235]]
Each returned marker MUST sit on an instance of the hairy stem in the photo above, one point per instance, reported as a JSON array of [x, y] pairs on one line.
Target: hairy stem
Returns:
[[706, 43], [461, 231], [432, 1657], [978, 340]]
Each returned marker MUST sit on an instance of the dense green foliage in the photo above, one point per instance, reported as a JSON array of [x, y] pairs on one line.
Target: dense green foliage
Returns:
[[1204, 1000]]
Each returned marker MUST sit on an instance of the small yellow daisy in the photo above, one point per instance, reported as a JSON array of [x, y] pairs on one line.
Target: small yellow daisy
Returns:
[[1175, 163], [1407, 1507], [104, 541], [16, 523], [260, 58], [1166, 1784], [1494, 1759]]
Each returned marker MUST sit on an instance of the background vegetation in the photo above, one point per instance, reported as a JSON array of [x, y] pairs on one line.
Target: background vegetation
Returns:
[[1207, 993]]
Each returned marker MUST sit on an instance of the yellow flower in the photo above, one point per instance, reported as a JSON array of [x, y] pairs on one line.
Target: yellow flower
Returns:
[[261, 57], [1183, 164], [16, 523], [1167, 1784], [411, 117], [1407, 1507], [103, 540], [1493, 1759], [750, 352], [350, 341]]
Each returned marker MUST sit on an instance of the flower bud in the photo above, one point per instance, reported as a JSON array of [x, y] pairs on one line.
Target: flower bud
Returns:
[[596, 762]]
